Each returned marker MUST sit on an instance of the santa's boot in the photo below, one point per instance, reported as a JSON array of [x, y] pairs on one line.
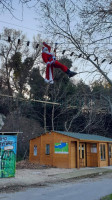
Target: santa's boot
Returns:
[[71, 73]]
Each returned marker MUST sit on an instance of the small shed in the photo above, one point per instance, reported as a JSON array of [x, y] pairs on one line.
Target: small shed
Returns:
[[8, 149], [71, 150]]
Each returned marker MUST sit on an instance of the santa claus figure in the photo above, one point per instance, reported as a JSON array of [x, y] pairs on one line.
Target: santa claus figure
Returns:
[[51, 62]]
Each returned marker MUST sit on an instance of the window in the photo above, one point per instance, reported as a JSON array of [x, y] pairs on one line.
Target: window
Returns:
[[35, 150], [93, 148], [110, 150], [102, 150], [81, 150], [47, 149]]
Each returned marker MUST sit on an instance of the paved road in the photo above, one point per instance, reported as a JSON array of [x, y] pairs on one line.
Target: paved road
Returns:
[[85, 189]]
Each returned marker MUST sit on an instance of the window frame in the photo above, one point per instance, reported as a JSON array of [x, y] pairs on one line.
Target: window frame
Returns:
[[35, 146], [94, 148], [110, 150], [47, 149], [81, 150], [103, 152]]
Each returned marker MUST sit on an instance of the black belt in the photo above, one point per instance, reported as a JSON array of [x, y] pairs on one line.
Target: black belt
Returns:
[[49, 58]]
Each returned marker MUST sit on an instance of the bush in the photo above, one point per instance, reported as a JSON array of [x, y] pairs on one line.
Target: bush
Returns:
[[108, 197]]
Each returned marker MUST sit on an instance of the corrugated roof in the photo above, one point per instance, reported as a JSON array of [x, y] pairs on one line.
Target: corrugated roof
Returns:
[[82, 136]]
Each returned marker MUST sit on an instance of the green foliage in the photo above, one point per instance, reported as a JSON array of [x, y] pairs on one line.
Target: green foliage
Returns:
[[4, 107], [16, 61], [21, 70], [108, 197], [100, 88], [63, 88], [66, 62], [37, 84]]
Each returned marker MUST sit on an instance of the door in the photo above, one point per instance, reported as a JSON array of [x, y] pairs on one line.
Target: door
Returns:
[[73, 155], [92, 156], [82, 162]]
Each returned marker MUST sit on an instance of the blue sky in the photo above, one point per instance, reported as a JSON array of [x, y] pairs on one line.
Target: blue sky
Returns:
[[24, 21]]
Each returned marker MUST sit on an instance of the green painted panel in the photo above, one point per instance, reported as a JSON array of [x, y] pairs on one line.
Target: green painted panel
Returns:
[[8, 146]]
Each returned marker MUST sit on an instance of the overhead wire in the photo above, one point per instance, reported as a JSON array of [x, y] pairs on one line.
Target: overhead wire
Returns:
[[59, 43], [20, 26], [63, 51], [45, 34]]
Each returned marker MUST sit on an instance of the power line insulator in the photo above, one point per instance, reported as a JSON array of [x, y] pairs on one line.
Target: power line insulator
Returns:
[[9, 39], [95, 58], [79, 55], [28, 43], [88, 57], [37, 45], [18, 41], [72, 54], [63, 52], [103, 60]]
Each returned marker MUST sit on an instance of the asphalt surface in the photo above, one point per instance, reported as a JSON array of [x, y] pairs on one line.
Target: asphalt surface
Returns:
[[41, 177], [83, 189]]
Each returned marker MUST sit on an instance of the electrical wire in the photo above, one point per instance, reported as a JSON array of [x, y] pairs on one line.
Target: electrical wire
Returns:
[[87, 43], [37, 45], [20, 26]]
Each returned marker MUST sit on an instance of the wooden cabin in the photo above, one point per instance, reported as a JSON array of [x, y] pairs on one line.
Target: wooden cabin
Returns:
[[71, 150]]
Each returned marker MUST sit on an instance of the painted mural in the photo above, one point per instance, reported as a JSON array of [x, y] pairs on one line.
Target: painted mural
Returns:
[[61, 147], [8, 146]]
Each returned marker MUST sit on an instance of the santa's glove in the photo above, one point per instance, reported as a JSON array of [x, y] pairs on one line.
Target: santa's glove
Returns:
[[54, 58], [53, 61]]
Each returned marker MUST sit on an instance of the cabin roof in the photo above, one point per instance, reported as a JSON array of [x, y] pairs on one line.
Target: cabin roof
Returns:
[[84, 136]]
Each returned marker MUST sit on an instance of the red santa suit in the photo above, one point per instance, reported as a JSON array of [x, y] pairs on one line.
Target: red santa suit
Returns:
[[51, 62]]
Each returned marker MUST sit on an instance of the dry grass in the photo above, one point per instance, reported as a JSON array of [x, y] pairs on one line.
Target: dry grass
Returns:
[[25, 164]]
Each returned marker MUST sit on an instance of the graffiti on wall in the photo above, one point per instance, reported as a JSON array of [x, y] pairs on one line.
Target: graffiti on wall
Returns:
[[61, 147], [7, 155]]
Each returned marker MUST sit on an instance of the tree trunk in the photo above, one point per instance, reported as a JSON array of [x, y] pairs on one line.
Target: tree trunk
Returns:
[[45, 129], [53, 118]]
